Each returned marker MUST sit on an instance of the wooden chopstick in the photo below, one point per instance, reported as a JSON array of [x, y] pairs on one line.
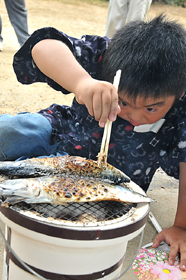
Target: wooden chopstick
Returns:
[[102, 156]]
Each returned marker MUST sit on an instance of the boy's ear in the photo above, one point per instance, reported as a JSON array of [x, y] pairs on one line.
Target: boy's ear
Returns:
[[182, 95]]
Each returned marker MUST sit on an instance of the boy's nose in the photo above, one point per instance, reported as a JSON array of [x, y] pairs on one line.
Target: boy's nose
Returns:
[[135, 116]]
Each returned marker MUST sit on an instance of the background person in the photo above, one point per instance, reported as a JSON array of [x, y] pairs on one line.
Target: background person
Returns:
[[122, 11], [17, 14]]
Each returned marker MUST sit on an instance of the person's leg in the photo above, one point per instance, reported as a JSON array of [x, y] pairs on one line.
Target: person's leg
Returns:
[[17, 13], [138, 9], [116, 18], [26, 135], [1, 38]]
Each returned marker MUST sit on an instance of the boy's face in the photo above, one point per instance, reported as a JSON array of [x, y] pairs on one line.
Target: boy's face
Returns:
[[144, 111]]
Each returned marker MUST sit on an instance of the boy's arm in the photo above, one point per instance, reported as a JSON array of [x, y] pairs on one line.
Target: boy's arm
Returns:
[[56, 61], [176, 235]]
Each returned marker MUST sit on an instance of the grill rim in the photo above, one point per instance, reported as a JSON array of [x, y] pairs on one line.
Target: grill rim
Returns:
[[80, 233]]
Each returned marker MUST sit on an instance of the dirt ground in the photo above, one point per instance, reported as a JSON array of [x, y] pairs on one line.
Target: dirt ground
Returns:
[[73, 17]]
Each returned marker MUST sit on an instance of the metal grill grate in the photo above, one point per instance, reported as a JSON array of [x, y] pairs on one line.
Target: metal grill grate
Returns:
[[86, 214]]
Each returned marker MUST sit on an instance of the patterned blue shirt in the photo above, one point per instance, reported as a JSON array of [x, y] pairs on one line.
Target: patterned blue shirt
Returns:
[[137, 154]]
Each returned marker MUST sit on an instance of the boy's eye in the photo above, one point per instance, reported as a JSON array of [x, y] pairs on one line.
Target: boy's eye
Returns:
[[151, 110], [122, 104]]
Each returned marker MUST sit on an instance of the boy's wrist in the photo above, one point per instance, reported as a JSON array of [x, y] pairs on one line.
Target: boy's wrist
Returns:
[[81, 86], [180, 224]]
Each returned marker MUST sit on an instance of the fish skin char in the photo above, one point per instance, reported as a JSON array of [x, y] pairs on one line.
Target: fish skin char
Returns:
[[66, 189], [64, 164]]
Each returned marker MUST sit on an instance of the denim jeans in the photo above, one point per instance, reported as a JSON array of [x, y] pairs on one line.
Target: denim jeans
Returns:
[[25, 135]]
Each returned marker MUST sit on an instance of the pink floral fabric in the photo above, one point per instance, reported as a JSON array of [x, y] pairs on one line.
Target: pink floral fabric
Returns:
[[153, 265]]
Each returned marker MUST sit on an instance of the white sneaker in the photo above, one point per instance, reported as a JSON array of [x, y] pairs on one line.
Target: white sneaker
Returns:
[[1, 47]]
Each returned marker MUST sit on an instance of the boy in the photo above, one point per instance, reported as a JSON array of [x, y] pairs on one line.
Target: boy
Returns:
[[148, 113]]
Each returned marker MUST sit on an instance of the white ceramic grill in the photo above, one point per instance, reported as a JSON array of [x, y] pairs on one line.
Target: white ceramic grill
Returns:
[[80, 241]]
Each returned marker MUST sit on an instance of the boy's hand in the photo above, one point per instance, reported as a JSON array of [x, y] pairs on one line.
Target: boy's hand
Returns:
[[176, 238], [100, 98]]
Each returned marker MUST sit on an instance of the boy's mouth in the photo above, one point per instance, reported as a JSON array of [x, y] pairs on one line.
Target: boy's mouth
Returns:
[[135, 123]]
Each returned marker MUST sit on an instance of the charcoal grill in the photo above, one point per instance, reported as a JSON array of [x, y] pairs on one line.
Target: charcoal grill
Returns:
[[79, 241]]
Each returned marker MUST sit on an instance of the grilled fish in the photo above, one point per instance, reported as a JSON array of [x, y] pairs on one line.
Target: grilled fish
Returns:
[[66, 189], [64, 164]]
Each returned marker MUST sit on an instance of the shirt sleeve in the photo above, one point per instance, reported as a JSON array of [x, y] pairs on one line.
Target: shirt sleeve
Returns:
[[87, 50]]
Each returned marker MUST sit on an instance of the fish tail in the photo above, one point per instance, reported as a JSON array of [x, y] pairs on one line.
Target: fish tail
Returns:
[[131, 196], [114, 174]]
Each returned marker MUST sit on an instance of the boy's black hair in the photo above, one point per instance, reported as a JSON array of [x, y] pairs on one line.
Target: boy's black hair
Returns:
[[152, 57]]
